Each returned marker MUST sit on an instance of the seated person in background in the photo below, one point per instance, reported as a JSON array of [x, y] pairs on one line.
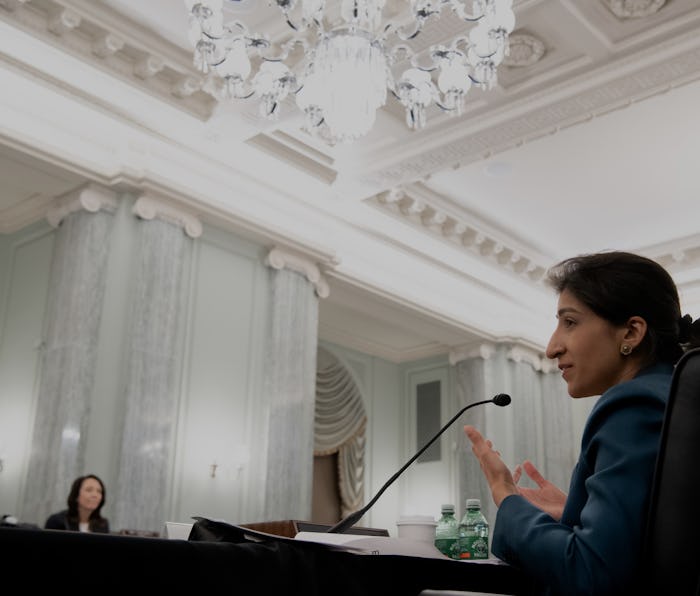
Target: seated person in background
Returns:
[[618, 335], [85, 501]]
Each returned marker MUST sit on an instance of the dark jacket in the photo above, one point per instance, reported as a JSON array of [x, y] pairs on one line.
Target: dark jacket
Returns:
[[595, 549], [60, 521]]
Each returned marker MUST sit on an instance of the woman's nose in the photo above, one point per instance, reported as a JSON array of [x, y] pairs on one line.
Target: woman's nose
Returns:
[[554, 348]]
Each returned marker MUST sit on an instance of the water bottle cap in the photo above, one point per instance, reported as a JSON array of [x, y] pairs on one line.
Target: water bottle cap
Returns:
[[473, 503], [448, 508]]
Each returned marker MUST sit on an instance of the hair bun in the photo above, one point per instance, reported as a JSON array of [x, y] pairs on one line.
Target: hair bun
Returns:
[[685, 329]]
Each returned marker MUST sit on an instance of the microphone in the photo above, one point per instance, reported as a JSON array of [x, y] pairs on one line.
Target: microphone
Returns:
[[346, 523]]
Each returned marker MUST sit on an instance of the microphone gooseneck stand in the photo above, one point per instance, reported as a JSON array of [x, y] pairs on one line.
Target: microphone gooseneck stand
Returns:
[[347, 522]]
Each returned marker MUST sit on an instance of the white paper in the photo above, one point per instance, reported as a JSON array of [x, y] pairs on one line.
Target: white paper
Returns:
[[375, 545]]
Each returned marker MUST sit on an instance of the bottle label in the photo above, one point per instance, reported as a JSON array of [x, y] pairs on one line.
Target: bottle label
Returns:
[[474, 547], [448, 547]]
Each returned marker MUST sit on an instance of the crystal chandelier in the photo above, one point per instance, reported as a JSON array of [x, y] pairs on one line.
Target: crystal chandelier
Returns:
[[338, 61]]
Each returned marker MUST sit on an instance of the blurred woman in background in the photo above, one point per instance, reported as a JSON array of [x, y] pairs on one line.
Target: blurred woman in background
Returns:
[[85, 501]]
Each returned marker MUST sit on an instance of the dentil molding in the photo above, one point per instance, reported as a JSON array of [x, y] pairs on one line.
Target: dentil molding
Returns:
[[100, 36], [422, 208]]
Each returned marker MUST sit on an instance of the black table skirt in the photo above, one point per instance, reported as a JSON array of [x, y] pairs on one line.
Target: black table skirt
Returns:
[[52, 559]]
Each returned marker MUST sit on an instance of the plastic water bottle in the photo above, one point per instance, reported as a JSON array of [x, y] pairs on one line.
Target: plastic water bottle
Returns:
[[473, 532], [447, 532]]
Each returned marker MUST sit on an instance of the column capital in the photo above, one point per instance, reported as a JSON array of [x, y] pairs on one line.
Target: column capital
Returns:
[[279, 258], [150, 207], [91, 197], [514, 351], [518, 353], [483, 350]]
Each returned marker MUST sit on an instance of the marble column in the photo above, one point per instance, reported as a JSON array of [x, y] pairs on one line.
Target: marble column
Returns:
[[471, 382], [83, 220], [536, 425], [296, 285], [150, 394]]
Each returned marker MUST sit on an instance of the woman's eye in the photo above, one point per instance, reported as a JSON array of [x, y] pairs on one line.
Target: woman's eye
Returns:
[[569, 322]]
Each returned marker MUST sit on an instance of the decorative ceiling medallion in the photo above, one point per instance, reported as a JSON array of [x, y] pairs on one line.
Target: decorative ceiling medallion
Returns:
[[525, 50], [634, 9]]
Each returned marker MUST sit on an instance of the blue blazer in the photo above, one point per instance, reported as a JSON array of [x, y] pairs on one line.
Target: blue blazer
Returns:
[[595, 549]]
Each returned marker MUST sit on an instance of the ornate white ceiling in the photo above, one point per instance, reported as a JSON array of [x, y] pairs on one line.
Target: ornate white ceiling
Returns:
[[429, 239]]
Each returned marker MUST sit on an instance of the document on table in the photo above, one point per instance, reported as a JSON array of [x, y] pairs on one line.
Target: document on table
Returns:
[[375, 545]]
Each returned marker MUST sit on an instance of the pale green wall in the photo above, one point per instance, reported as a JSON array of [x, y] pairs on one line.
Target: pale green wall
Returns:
[[223, 325], [222, 407], [25, 259], [221, 364]]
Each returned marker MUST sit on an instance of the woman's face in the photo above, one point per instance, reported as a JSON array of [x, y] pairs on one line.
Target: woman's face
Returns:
[[587, 348], [90, 495]]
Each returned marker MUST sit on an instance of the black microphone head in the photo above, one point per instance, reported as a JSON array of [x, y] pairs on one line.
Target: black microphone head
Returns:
[[502, 399]]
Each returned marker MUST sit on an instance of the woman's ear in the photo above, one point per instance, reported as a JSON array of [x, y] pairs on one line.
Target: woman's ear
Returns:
[[635, 331]]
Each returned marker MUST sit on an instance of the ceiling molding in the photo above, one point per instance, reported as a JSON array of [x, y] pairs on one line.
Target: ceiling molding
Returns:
[[421, 208], [102, 37], [564, 106]]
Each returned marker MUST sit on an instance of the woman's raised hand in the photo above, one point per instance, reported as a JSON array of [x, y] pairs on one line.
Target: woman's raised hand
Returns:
[[497, 474], [546, 496]]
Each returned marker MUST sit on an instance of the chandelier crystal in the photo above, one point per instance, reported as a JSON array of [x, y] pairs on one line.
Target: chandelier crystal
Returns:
[[338, 62]]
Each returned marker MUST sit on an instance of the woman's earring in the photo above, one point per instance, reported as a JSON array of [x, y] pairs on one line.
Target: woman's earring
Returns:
[[625, 350]]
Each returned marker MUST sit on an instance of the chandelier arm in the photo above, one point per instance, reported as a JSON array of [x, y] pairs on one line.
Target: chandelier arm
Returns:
[[414, 63], [285, 50], [245, 96], [227, 31], [259, 44], [486, 56], [395, 54], [299, 28], [242, 26], [477, 81], [299, 24], [289, 46], [211, 37], [215, 64], [319, 26], [458, 8], [403, 36], [315, 23], [461, 40], [229, 90], [471, 19], [444, 108]]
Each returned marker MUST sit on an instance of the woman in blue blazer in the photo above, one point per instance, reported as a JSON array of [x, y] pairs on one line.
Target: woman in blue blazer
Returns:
[[619, 332]]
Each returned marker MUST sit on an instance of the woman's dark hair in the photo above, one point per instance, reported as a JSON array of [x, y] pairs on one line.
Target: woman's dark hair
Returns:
[[618, 285], [96, 519]]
